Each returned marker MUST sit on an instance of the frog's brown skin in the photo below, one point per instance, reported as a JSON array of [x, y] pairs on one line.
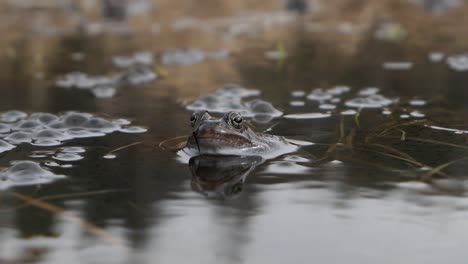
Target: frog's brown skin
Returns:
[[229, 135]]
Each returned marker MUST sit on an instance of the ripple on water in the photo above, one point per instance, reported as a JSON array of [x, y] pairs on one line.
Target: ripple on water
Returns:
[[25, 173]]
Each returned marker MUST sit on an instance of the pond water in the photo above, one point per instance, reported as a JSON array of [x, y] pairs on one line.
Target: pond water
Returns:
[[90, 123]]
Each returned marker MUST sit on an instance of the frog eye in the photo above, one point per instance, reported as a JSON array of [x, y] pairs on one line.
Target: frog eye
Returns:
[[236, 120], [193, 119]]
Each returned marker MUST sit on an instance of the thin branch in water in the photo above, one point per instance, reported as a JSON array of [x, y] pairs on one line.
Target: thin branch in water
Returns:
[[90, 228], [126, 146], [438, 169]]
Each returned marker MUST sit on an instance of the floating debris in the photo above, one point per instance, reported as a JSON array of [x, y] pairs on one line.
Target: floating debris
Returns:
[[230, 98], [436, 56], [397, 66], [390, 31], [308, 116], [190, 56], [458, 62], [25, 173]]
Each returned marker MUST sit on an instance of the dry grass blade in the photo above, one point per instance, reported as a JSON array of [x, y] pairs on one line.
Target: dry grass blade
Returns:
[[436, 142], [72, 195], [90, 228], [173, 144], [126, 146], [438, 169]]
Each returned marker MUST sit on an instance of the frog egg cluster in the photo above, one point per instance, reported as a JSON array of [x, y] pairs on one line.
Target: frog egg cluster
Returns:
[[458, 62], [25, 173], [190, 56], [136, 72], [231, 98], [44, 129], [139, 58]]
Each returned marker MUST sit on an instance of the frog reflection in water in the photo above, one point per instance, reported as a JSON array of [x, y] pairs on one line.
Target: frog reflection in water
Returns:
[[221, 176], [230, 135]]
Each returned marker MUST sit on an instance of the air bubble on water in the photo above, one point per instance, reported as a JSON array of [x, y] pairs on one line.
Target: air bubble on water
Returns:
[[73, 150], [417, 102], [121, 122], [297, 93], [297, 103], [144, 58], [371, 101], [182, 57], [339, 89], [349, 112], [417, 114], [369, 91], [436, 56], [458, 62], [230, 98], [67, 157], [27, 125], [404, 116], [5, 146], [397, 65], [84, 133], [335, 100], [319, 95], [51, 134], [138, 75], [51, 164], [308, 116], [44, 118], [4, 128], [133, 130], [46, 142], [327, 106], [19, 137], [261, 107], [103, 92], [12, 116], [41, 153], [295, 158], [110, 156], [26, 173], [66, 166], [386, 112]]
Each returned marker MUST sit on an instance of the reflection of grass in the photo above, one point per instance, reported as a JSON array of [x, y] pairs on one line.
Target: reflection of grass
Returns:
[[386, 147], [89, 227]]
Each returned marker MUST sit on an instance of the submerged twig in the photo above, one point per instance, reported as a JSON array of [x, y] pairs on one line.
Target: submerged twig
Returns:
[[126, 146], [437, 170], [89, 227]]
